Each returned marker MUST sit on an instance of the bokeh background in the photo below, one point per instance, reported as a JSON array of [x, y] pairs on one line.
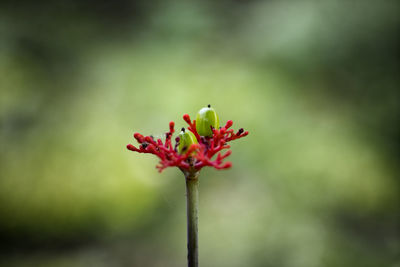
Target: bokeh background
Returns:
[[315, 82]]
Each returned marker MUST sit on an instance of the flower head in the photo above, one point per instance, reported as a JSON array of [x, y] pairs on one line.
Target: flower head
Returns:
[[197, 155]]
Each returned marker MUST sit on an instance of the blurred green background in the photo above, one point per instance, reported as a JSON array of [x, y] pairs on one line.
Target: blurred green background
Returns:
[[316, 84]]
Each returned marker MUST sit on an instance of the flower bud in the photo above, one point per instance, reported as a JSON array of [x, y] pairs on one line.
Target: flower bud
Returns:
[[205, 119], [186, 139]]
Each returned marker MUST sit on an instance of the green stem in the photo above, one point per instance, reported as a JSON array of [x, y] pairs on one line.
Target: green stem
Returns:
[[192, 200]]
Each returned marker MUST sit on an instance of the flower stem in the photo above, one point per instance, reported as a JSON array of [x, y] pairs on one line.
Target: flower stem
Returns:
[[192, 200]]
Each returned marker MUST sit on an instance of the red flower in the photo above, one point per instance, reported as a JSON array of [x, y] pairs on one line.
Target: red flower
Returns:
[[204, 151]]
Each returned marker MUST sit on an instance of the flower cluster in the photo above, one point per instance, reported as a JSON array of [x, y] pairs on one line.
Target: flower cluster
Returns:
[[198, 155]]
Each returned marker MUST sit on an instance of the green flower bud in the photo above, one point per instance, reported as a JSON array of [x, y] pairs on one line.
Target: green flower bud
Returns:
[[186, 139], [206, 118]]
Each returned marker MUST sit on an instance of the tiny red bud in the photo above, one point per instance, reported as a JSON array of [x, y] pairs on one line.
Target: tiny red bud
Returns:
[[131, 147], [186, 118], [148, 139], [228, 124], [138, 137], [227, 165]]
